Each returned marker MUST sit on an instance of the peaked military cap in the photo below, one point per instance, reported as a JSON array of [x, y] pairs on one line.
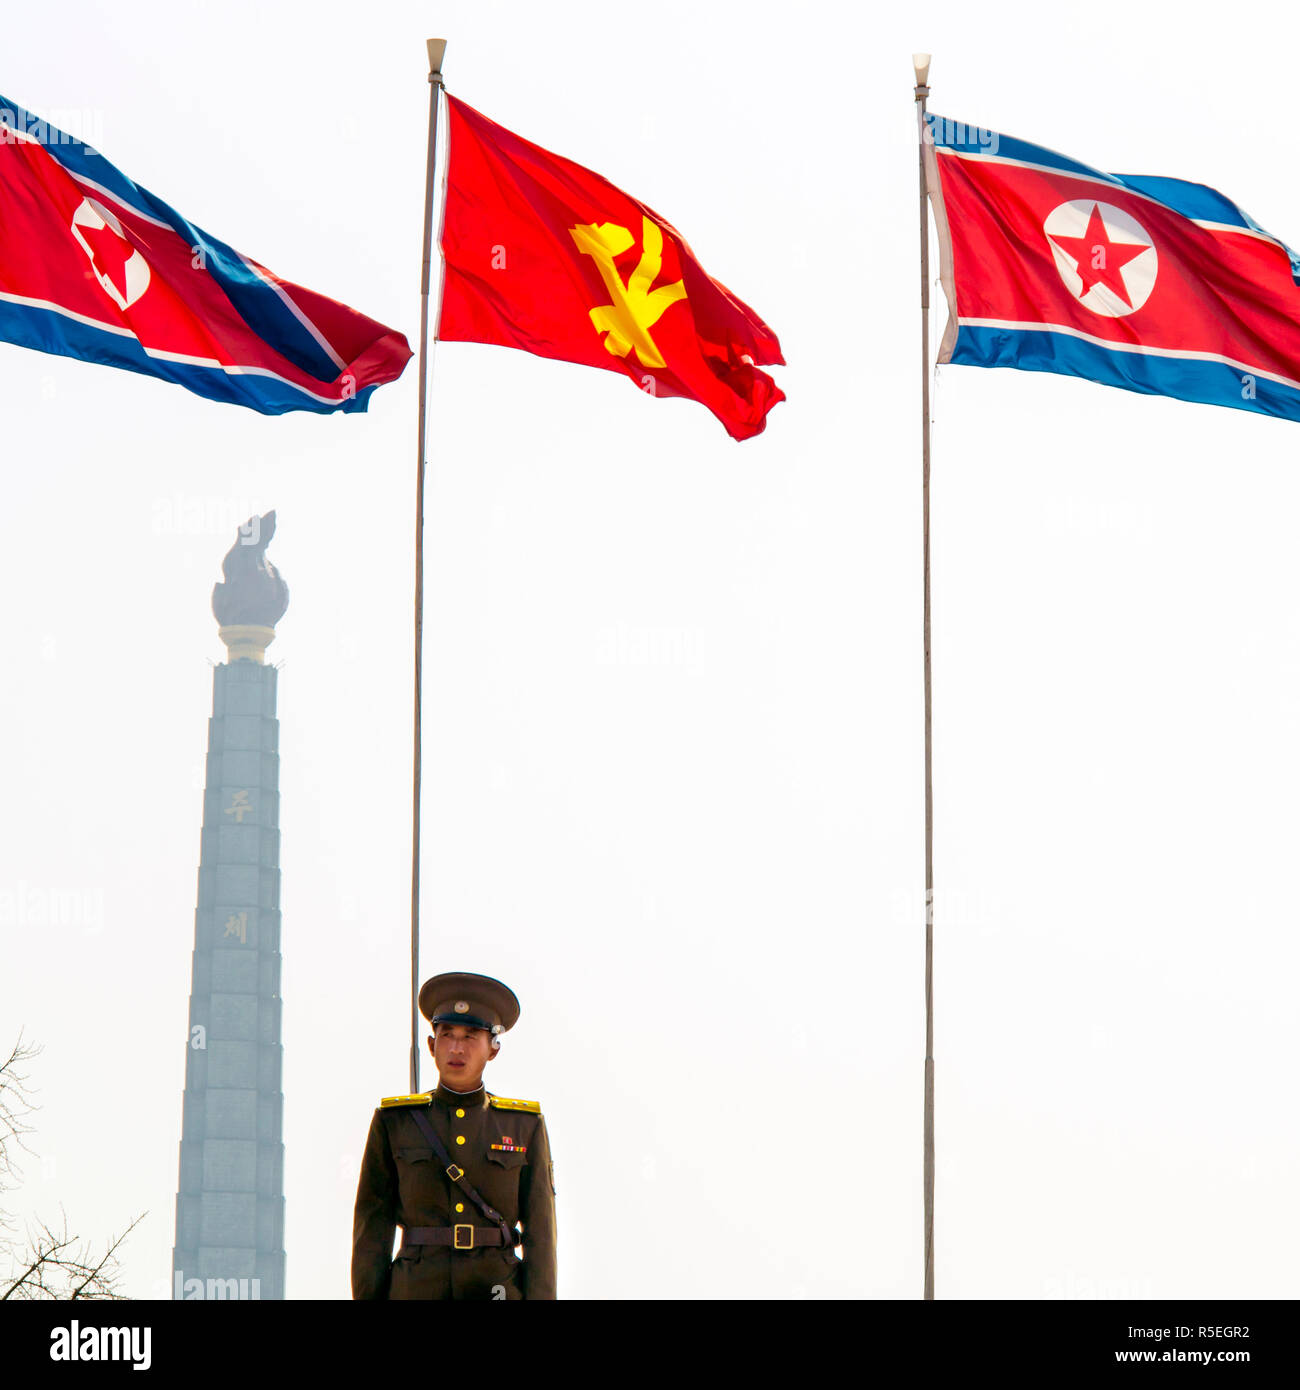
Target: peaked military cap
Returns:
[[476, 1001]]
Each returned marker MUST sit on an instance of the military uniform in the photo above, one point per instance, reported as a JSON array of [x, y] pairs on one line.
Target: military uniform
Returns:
[[450, 1247]]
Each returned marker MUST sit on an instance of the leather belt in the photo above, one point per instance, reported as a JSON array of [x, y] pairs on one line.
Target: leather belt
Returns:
[[462, 1237]]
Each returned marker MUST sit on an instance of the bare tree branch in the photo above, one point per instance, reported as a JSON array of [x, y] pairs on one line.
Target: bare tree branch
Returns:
[[47, 1264], [101, 1280], [15, 1106]]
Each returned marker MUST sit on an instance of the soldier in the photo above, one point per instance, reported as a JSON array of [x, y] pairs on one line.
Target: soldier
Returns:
[[459, 1169]]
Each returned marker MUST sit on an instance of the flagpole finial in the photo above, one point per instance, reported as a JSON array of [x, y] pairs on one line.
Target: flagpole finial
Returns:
[[436, 47], [921, 67]]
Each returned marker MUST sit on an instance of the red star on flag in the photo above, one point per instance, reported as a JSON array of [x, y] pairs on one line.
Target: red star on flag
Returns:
[[1098, 259], [110, 254]]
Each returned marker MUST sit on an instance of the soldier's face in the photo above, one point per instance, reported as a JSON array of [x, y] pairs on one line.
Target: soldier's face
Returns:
[[460, 1054]]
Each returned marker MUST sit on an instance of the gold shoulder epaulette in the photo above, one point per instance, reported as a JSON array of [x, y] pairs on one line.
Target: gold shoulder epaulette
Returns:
[[505, 1103], [423, 1099]]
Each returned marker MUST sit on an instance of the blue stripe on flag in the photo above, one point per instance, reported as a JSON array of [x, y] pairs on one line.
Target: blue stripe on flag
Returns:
[[971, 139], [46, 330], [1187, 379]]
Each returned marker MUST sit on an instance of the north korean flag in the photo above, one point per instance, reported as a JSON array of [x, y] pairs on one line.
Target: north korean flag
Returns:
[[95, 267], [1152, 284]]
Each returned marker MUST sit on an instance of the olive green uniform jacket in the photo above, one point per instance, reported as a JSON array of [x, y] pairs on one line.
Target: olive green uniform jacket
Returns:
[[503, 1148]]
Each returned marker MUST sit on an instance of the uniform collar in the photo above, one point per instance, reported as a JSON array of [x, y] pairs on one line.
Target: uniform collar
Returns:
[[460, 1100]]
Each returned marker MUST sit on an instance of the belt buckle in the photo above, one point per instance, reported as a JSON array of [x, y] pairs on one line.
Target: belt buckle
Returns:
[[454, 1173], [457, 1243]]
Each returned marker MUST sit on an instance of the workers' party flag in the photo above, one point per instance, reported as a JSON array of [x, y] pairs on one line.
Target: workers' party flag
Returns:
[[544, 255], [95, 267], [1151, 284]]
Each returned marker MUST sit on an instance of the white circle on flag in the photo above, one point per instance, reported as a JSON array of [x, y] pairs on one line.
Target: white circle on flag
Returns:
[[1084, 235], [135, 272]]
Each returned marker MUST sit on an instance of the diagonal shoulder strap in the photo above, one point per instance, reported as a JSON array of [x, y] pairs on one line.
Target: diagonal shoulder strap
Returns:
[[457, 1176]]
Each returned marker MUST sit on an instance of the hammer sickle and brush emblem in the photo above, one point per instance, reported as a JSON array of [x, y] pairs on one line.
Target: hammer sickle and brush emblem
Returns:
[[635, 307]]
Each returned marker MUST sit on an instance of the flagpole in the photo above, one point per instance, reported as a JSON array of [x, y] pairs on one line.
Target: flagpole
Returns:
[[921, 68], [436, 49]]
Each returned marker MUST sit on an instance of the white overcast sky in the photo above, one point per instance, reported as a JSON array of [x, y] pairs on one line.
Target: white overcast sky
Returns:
[[673, 775]]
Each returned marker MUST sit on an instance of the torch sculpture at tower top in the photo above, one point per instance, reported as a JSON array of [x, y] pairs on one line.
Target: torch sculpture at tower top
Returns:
[[253, 597]]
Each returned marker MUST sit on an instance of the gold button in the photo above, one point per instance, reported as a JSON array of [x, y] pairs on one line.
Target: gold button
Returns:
[[460, 1206], [460, 1114], [460, 1138]]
